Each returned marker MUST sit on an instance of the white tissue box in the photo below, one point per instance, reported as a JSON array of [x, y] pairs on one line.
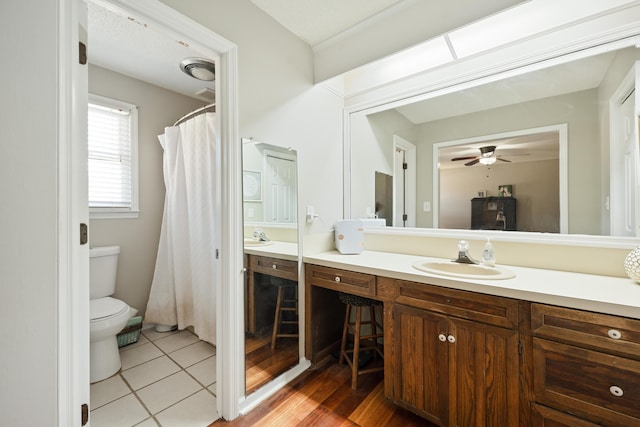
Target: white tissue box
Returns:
[[349, 234]]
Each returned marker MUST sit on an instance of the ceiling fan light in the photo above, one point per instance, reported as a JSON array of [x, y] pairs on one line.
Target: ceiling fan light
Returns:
[[487, 160]]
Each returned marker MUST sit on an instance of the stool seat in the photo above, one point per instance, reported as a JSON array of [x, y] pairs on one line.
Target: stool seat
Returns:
[[284, 304], [369, 342], [356, 300]]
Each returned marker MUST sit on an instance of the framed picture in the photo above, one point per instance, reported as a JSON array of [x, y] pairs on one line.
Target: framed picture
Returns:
[[251, 186], [482, 193], [505, 190]]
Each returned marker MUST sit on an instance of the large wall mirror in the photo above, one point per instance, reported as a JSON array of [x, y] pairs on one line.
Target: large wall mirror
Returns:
[[562, 140], [271, 261]]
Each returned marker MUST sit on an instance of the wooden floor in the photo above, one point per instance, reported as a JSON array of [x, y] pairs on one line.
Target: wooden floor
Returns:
[[263, 364], [322, 396]]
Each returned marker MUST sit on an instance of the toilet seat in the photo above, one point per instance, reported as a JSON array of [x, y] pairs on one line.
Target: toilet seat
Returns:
[[103, 308]]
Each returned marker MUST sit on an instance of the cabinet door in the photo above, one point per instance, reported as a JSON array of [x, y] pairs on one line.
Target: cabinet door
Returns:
[[420, 362], [484, 368]]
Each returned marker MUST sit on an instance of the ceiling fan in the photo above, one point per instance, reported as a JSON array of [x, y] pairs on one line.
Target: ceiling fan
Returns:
[[487, 157]]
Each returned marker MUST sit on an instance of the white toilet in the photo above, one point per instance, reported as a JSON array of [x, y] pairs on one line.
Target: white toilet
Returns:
[[108, 315]]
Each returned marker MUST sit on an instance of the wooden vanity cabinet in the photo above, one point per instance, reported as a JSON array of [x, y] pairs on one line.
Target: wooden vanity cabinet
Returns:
[[587, 365], [259, 317], [455, 356]]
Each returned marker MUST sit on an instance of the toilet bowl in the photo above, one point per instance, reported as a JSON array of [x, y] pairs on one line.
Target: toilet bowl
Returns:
[[108, 315]]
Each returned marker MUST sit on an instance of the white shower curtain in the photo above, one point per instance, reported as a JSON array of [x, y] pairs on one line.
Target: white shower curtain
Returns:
[[184, 286]]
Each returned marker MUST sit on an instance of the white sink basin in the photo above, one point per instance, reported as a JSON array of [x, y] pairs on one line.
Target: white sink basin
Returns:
[[253, 242], [466, 271]]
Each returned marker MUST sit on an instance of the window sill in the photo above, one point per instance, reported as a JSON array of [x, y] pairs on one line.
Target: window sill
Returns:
[[113, 215]]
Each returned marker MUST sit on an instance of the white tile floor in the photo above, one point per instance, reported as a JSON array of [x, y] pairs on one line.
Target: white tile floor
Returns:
[[167, 380]]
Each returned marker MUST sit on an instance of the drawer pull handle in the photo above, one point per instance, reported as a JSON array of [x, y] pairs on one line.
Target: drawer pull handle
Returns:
[[275, 267], [616, 391], [338, 279], [451, 339], [615, 334], [442, 337]]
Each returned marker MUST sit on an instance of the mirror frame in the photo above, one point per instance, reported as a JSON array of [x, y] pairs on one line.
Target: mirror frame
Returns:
[[490, 66]]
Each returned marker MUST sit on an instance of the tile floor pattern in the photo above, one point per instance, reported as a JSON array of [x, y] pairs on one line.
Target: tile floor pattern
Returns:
[[167, 380]]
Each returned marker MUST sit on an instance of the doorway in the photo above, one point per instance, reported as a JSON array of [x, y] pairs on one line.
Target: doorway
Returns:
[[229, 305]]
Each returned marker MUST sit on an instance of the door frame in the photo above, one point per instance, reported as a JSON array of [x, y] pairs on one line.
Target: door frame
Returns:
[[408, 184], [73, 342]]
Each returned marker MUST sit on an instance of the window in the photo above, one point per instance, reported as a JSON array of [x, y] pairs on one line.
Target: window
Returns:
[[113, 158]]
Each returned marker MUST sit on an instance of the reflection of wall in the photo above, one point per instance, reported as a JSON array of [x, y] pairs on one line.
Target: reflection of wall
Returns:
[[579, 110], [372, 151], [138, 237], [535, 186]]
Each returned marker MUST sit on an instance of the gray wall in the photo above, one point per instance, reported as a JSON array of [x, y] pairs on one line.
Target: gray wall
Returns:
[[138, 237]]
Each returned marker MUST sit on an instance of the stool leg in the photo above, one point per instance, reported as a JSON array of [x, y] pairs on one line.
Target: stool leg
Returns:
[[345, 332], [374, 328], [356, 348], [276, 320]]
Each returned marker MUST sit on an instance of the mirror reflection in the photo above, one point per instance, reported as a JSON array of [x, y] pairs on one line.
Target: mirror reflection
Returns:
[[271, 261], [562, 140]]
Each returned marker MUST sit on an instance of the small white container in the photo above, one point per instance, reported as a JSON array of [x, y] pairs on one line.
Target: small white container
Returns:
[[349, 236]]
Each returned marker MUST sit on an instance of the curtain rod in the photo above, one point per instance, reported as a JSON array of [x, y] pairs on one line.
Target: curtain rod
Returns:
[[205, 109]]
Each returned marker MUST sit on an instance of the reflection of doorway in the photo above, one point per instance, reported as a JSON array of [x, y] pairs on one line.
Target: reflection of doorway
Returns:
[[542, 196], [624, 159], [280, 188], [404, 183]]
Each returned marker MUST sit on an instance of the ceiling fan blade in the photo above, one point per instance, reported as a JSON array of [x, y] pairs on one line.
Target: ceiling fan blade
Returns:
[[472, 162], [503, 160], [463, 158]]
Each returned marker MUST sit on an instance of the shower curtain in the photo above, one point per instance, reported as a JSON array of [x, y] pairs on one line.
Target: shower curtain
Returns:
[[184, 286]]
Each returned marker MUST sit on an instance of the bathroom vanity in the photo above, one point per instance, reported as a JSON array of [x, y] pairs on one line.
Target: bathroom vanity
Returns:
[[516, 352], [273, 259]]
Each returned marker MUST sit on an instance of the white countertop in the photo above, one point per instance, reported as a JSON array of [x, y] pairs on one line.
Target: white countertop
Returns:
[[274, 249], [604, 294]]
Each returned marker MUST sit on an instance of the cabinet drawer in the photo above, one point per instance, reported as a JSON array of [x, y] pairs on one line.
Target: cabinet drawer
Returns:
[[598, 387], [342, 280], [487, 309], [547, 417], [612, 334], [283, 268]]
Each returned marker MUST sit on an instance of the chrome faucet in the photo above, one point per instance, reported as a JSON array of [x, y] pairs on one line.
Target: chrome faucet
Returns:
[[259, 234], [463, 253]]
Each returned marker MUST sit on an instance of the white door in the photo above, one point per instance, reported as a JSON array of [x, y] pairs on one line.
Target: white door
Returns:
[[624, 160], [280, 187]]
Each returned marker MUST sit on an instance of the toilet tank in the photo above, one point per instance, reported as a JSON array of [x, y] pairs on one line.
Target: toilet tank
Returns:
[[103, 266]]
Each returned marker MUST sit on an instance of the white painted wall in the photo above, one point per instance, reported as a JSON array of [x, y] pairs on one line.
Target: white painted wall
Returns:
[[138, 237], [278, 102], [28, 214]]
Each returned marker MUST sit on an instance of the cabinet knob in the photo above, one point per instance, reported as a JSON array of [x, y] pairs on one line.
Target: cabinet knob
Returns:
[[451, 339], [275, 267], [338, 279], [442, 337], [615, 334], [616, 391]]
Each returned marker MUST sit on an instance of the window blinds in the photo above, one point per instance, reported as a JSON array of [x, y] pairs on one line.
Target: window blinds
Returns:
[[110, 165]]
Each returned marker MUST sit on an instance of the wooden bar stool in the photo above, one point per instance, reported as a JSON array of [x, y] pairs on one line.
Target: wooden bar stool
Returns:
[[371, 339], [285, 303]]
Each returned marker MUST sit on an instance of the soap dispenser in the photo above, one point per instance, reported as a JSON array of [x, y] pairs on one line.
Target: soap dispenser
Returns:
[[488, 254]]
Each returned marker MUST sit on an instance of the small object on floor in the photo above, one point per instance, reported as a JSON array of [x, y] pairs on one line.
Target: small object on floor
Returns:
[[165, 328]]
